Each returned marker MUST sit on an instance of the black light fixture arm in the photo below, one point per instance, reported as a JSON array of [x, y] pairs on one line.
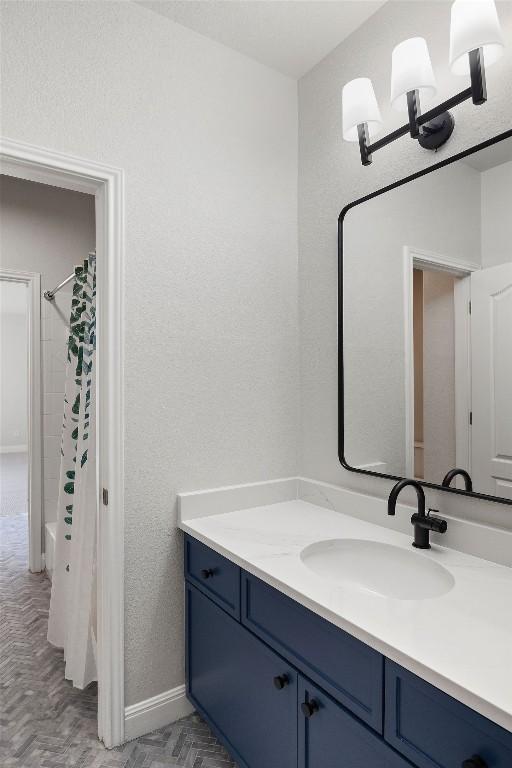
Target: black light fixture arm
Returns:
[[434, 127], [414, 111]]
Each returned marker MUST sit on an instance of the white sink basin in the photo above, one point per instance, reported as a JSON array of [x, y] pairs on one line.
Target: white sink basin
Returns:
[[383, 569]]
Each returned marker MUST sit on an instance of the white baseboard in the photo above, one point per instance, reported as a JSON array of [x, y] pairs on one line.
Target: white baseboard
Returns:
[[148, 715], [13, 448]]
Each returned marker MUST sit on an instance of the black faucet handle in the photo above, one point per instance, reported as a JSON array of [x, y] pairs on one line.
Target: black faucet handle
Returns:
[[429, 522], [436, 523]]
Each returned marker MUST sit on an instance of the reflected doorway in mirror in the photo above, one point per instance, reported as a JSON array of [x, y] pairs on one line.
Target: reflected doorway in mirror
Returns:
[[437, 364]]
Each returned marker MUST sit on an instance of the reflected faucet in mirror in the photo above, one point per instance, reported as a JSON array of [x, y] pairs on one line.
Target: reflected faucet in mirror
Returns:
[[454, 473], [423, 523]]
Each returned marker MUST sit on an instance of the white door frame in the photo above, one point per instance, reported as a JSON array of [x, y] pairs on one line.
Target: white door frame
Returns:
[[417, 258], [106, 184], [32, 280]]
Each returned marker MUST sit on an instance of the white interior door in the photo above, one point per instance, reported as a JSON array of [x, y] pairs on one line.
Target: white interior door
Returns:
[[491, 355]]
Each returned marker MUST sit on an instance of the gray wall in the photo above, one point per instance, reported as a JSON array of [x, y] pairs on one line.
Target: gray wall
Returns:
[[331, 175], [208, 142]]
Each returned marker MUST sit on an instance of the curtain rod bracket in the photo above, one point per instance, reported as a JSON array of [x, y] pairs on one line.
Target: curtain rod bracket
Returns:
[[50, 295]]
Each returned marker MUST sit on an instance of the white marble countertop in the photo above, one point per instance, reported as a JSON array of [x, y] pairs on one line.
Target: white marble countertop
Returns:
[[460, 642]]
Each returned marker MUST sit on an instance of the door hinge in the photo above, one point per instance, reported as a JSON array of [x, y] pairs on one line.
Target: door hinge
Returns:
[[470, 307], [104, 496], [470, 418]]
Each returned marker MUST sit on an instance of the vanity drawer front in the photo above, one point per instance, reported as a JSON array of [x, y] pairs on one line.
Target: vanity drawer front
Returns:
[[434, 730], [214, 575], [333, 738], [347, 669]]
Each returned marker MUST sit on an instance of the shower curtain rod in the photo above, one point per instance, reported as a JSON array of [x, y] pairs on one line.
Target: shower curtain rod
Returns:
[[50, 295]]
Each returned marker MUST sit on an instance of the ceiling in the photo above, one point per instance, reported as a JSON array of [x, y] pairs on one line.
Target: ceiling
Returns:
[[290, 36], [13, 298]]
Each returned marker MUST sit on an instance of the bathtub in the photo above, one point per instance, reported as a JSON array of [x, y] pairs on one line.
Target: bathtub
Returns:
[[50, 532]]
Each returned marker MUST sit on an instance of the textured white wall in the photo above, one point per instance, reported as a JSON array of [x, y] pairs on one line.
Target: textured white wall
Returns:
[[47, 230], [331, 175], [496, 218], [208, 142]]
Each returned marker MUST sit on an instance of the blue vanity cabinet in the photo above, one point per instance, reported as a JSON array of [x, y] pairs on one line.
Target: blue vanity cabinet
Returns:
[[435, 731], [245, 691], [349, 670], [329, 737], [283, 688]]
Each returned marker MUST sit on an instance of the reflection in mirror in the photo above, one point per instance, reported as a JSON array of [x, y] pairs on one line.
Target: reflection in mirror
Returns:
[[427, 327]]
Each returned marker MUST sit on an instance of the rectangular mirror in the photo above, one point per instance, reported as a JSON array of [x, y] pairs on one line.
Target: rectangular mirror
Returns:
[[425, 326]]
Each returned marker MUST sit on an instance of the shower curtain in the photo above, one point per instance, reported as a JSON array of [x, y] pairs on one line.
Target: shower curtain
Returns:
[[72, 620]]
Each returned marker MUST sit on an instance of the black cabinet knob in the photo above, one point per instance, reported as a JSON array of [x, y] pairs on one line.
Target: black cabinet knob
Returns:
[[309, 708], [207, 573], [280, 681], [475, 762]]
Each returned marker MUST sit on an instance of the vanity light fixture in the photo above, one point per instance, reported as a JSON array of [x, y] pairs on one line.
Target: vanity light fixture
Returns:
[[475, 41]]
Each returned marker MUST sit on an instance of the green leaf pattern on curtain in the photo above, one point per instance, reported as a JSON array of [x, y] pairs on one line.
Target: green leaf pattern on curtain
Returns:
[[80, 355]]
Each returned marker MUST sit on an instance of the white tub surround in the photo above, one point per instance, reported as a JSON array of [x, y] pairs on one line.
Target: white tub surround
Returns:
[[50, 531], [459, 641]]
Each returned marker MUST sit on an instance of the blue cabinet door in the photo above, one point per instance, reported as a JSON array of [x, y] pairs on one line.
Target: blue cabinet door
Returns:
[[330, 737], [245, 691], [434, 730]]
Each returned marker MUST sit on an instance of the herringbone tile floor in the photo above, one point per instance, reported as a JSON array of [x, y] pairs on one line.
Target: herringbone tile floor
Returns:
[[44, 721]]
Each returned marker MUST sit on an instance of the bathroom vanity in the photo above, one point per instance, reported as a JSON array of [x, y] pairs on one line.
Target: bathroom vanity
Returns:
[[283, 686]]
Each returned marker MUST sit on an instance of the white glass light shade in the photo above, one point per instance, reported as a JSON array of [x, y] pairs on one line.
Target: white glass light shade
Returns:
[[411, 69], [359, 105], [474, 24]]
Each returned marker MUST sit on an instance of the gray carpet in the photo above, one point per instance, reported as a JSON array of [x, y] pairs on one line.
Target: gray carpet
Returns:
[[44, 721]]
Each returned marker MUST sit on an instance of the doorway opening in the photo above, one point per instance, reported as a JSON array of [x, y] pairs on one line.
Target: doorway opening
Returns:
[[24, 164], [457, 335], [21, 399], [434, 341], [437, 292], [14, 334]]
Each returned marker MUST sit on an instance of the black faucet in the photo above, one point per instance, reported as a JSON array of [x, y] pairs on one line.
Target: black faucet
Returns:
[[423, 523], [453, 473]]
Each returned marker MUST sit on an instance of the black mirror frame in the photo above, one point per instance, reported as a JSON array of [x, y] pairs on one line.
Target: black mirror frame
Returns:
[[341, 404]]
